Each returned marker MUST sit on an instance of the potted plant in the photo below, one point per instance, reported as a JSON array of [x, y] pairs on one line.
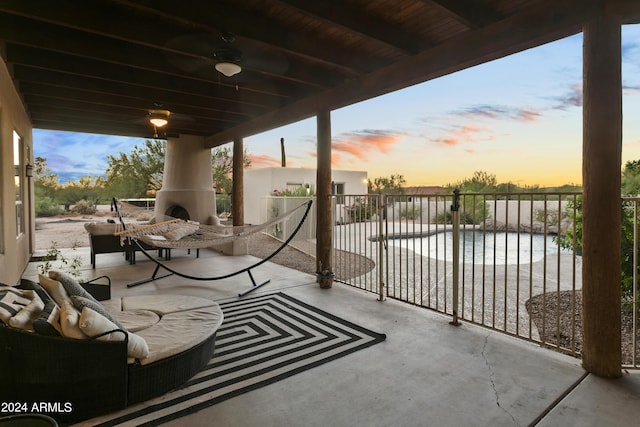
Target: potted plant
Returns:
[[71, 263]]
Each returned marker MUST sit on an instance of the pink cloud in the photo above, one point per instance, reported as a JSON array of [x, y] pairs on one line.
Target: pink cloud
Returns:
[[466, 134], [264, 161], [362, 144]]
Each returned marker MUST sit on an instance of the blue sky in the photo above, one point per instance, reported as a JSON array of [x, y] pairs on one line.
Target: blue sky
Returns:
[[519, 118]]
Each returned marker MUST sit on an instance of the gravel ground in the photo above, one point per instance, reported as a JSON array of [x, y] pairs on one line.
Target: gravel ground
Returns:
[[558, 312]]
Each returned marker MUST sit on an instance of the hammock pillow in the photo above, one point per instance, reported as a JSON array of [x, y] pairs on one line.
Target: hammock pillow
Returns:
[[178, 230]]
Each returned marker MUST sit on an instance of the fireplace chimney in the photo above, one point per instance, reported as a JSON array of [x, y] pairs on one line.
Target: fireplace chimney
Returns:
[[187, 184]]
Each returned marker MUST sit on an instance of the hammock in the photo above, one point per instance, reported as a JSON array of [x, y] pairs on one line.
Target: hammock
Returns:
[[176, 233], [201, 236]]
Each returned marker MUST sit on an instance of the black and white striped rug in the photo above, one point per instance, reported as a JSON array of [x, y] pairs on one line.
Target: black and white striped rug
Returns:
[[262, 340]]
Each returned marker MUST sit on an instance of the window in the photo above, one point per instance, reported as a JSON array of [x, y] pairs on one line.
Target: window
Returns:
[[338, 190], [293, 187], [18, 182]]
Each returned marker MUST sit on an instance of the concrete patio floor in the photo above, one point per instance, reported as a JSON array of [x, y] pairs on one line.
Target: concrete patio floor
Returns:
[[426, 373]]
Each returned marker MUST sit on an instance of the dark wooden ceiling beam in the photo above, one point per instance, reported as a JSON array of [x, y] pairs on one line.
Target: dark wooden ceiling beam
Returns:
[[51, 95], [356, 20], [253, 94], [49, 103], [473, 14], [145, 95], [246, 23], [532, 27], [48, 123], [629, 10], [106, 120], [91, 45], [109, 23]]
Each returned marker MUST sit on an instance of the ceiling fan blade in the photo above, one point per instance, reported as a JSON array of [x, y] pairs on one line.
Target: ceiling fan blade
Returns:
[[193, 54]]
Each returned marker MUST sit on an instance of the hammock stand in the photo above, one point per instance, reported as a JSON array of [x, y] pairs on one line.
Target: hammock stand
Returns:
[[172, 271]]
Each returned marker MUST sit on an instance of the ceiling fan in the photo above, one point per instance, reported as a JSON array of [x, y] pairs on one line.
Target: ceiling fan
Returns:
[[198, 54], [227, 58], [159, 117]]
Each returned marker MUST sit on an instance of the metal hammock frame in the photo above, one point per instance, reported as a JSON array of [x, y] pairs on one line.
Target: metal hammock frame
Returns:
[[131, 234]]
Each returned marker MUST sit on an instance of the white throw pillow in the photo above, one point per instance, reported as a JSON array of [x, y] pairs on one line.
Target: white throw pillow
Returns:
[[54, 289], [24, 318], [69, 321], [13, 300], [93, 323]]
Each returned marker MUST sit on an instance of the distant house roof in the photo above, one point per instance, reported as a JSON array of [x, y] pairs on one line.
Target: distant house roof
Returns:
[[424, 190]]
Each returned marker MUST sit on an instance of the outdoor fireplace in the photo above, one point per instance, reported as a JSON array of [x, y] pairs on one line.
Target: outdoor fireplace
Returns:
[[187, 185], [177, 211]]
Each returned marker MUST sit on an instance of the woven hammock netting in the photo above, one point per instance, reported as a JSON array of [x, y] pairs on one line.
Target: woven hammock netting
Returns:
[[178, 233]]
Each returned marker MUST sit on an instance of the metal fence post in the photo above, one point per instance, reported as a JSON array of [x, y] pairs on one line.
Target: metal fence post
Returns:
[[455, 222], [381, 249]]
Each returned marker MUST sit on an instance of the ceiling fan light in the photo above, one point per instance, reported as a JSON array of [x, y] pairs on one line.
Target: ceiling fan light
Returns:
[[228, 68], [158, 119]]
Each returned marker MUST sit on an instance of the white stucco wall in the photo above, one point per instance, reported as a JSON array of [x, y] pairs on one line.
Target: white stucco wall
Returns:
[[260, 183], [15, 251]]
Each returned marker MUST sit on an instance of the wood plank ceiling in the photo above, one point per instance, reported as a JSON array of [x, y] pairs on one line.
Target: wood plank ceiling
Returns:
[[99, 66]]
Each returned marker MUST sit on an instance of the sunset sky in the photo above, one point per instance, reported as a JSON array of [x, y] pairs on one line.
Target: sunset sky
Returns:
[[519, 118]]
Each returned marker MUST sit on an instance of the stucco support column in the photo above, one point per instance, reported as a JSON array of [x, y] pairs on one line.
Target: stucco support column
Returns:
[[187, 180], [601, 234], [324, 241], [237, 177]]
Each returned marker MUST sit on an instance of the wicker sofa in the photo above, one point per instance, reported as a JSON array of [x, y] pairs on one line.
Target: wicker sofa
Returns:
[[77, 379], [102, 240]]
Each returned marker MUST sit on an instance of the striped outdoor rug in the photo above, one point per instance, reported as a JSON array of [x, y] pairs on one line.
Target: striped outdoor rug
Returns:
[[262, 340]]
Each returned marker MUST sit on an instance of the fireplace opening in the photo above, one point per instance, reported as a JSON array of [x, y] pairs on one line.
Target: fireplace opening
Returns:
[[178, 211]]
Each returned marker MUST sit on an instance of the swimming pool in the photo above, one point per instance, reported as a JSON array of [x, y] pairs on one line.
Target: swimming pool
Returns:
[[499, 248]]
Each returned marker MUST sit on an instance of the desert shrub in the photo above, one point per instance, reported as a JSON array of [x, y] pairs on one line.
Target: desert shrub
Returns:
[[410, 212], [447, 218], [223, 203], [84, 207], [360, 211], [46, 206]]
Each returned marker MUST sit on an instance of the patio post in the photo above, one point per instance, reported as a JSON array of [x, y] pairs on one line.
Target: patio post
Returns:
[[237, 182], [601, 180], [324, 241]]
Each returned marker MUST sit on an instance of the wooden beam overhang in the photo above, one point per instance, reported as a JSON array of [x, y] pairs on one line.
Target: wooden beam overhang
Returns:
[[540, 24]]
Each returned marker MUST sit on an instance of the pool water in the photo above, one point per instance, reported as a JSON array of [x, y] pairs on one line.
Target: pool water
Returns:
[[494, 248]]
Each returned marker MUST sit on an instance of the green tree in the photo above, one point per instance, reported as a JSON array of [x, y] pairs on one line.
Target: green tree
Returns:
[[139, 173], [572, 238], [222, 168], [392, 184], [45, 181], [42, 174], [631, 178], [480, 182], [45, 184], [87, 188]]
